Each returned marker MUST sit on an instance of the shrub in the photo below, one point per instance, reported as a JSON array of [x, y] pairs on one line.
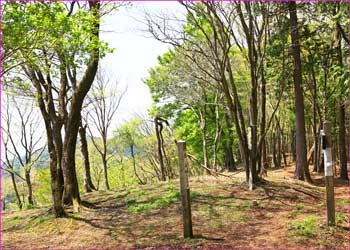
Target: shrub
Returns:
[[306, 227]]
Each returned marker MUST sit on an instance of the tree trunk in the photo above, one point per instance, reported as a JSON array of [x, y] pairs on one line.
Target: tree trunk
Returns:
[[158, 126], [19, 201], [134, 164], [229, 158], [204, 138], [29, 187], [262, 149], [217, 132], [54, 144], [105, 174], [301, 157], [88, 185], [71, 188], [315, 134], [341, 110], [292, 145], [342, 142]]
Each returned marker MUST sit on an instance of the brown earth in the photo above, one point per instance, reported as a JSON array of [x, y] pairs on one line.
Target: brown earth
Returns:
[[280, 213]]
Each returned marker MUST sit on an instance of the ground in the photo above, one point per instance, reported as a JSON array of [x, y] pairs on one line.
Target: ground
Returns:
[[280, 213]]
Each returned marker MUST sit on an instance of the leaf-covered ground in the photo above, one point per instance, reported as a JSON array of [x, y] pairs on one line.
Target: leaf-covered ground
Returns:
[[280, 213]]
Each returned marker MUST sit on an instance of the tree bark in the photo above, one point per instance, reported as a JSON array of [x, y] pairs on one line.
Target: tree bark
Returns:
[[72, 123], [105, 172], [29, 186], [158, 127], [341, 112], [88, 185], [301, 157], [19, 201], [134, 164], [229, 158], [315, 134], [203, 127]]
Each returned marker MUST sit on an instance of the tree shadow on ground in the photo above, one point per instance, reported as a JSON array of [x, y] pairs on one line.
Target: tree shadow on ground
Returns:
[[320, 182]]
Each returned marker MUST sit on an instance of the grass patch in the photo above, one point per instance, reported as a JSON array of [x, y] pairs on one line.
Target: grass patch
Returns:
[[130, 202], [149, 229], [14, 218], [141, 193], [41, 219], [152, 203], [343, 202], [165, 201], [140, 208], [305, 227], [30, 206], [238, 216], [339, 218], [194, 195], [300, 206], [171, 187]]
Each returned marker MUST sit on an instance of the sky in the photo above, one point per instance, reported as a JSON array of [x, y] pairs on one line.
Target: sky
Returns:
[[136, 52]]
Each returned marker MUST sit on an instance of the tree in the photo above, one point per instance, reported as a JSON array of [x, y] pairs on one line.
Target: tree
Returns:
[[88, 185], [301, 160], [105, 102], [129, 135], [22, 143], [53, 69]]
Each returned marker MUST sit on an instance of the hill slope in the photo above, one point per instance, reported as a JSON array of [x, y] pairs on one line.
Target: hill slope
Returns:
[[286, 214]]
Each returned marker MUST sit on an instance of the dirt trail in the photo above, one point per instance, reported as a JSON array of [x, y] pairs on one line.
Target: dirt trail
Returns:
[[224, 215]]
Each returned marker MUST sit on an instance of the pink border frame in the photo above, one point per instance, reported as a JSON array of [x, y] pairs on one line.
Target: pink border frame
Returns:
[[93, 248]]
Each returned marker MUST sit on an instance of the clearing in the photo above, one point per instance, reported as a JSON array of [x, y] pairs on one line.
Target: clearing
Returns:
[[286, 213]]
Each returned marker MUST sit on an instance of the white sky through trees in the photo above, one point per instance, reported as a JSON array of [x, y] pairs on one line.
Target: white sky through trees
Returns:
[[135, 53]]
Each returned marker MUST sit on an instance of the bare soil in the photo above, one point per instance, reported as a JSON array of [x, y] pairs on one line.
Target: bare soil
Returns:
[[225, 214]]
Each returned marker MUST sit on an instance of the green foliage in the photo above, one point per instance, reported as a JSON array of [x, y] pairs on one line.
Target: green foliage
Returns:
[[305, 227], [300, 206], [140, 208], [37, 27], [171, 187], [340, 217], [30, 206], [165, 201], [141, 193], [41, 219], [136, 207]]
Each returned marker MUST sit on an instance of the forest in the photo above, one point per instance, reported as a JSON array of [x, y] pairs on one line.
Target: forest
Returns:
[[246, 142]]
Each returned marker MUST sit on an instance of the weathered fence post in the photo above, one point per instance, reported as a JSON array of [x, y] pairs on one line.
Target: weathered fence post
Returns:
[[185, 190], [328, 172]]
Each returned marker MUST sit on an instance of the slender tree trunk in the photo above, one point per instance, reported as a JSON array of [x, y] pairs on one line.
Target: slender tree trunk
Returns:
[[105, 173], [204, 138], [292, 145], [301, 154], [88, 185], [229, 159], [262, 149], [158, 127], [134, 164], [341, 111], [217, 133], [29, 187], [19, 201], [315, 134], [276, 161]]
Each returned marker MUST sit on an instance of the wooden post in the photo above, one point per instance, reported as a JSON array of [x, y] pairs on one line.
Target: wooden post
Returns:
[[328, 172], [185, 191]]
